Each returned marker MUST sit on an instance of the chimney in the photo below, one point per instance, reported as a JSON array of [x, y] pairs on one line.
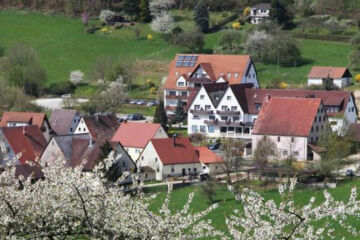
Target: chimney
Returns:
[[91, 143], [174, 139], [24, 131], [267, 98]]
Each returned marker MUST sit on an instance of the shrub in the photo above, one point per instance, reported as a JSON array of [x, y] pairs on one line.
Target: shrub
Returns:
[[246, 11], [149, 37], [61, 88], [236, 25], [283, 85], [153, 90], [357, 78]]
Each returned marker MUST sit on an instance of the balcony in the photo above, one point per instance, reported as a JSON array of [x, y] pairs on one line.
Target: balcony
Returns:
[[228, 112], [176, 97], [201, 111], [216, 122]]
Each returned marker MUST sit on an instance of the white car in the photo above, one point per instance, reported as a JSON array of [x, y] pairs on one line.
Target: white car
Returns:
[[68, 95]]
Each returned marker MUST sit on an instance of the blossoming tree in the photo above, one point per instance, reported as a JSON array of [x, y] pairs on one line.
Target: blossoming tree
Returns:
[[70, 202]]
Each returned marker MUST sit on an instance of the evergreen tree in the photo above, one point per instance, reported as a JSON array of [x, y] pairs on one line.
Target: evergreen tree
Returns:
[[328, 84], [131, 7], [280, 14], [179, 112], [160, 115], [105, 150], [201, 16], [144, 11]]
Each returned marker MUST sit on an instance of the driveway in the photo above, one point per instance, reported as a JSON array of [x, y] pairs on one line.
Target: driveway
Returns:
[[53, 103]]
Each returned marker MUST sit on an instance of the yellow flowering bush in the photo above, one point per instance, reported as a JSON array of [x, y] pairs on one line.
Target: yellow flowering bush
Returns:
[[236, 25], [104, 30], [247, 11], [283, 85], [153, 90], [357, 78], [149, 37]]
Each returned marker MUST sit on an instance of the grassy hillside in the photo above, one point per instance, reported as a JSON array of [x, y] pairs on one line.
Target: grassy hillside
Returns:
[[63, 46], [227, 203]]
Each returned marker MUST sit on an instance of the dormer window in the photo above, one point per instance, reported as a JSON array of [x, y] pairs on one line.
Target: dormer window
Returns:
[[236, 75], [202, 97], [181, 84], [229, 75], [228, 97]]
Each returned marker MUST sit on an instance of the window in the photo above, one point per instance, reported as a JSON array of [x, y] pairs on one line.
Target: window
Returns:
[[172, 93], [181, 84], [353, 109], [236, 119], [155, 159], [142, 157], [197, 107], [312, 139], [317, 128], [296, 153], [224, 108], [224, 118], [204, 167], [229, 75], [195, 170], [247, 130], [84, 129], [211, 117], [211, 129], [292, 139], [172, 170], [158, 170], [228, 97], [202, 97], [317, 138], [233, 108], [238, 130], [207, 107], [74, 120], [231, 129], [196, 117], [223, 129], [184, 93], [312, 129], [203, 129], [315, 119], [324, 118], [285, 153], [194, 128], [278, 139], [124, 165]]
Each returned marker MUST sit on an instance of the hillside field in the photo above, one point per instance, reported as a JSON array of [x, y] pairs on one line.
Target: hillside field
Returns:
[[63, 46]]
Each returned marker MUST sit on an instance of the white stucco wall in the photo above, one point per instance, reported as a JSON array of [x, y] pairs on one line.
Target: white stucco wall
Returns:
[[251, 77]]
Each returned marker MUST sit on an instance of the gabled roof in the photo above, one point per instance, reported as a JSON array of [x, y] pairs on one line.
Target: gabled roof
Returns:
[[262, 6], [182, 152], [207, 156], [28, 140], [332, 72], [217, 89], [30, 118], [61, 120], [220, 65], [287, 116], [101, 126], [208, 69], [328, 98], [240, 95], [135, 134]]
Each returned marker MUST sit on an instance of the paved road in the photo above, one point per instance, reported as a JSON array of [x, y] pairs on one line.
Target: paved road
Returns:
[[53, 103]]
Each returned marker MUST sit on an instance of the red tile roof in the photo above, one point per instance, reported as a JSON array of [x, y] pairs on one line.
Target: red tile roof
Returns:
[[182, 152], [216, 65], [324, 72], [29, 141], [135, 134], [328, 98], [23, 117], [101, 126], [207, 156], [287, 116]]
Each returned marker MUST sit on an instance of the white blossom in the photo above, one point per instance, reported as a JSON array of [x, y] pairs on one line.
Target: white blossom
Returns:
[[159, 6], [76, 76], [105, 15], [163, 23]]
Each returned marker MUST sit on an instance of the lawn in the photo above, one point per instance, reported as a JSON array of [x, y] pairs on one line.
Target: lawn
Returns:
[[63, 46], [227, 203]]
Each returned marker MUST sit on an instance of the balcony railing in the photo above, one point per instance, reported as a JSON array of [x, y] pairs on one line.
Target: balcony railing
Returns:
[[201, 111], [228, 112], [176, 97]]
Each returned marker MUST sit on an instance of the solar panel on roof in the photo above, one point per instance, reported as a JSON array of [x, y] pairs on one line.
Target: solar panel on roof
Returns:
[[188, 58], [180, 58], [186, 64], [194, 58], [192, 64], [178, 64]]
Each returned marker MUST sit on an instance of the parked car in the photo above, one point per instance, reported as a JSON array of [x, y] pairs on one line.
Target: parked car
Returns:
[[214, 146], [120, 120], [151, 103], [204, 176], [134, 117], [141, 102], [133, 101], [68, 95], [350, 173]]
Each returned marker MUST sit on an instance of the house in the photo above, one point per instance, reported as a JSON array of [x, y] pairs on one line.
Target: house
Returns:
[[20, 145], [260, 13], [211, 162], [188, 72], [19, 119], [76, 149], [170, 157], [293, 125], [98, 126], [219, 110], [340, 76], [135, 135], [64, 121]]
